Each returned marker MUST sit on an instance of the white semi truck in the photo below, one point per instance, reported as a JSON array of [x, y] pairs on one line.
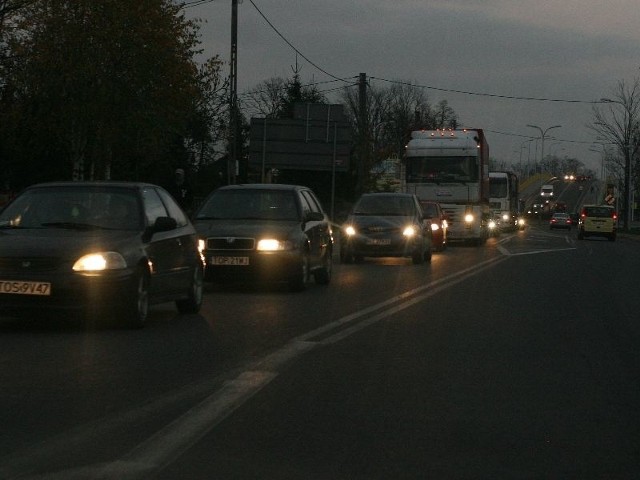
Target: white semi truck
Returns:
[[451, 167]]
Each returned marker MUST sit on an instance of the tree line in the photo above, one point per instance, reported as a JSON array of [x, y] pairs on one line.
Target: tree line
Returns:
[[120, 90]]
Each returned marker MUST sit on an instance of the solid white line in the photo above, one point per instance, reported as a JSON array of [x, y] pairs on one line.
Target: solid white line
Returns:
[[178, 436]]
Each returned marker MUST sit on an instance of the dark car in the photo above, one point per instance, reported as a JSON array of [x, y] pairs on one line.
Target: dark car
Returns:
[[96, 247], [439, 226], [386, 225], [265, 232], [560, 220]]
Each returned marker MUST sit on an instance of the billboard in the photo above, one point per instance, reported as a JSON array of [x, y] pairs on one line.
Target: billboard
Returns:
[[318, 138]]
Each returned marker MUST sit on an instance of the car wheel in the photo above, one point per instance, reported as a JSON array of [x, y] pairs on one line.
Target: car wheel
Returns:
[[428, 254], [193, 302], [612, 237], [417, 257], [580, 234], [137, 305], [322, 275], [299, 280], [346, 256]]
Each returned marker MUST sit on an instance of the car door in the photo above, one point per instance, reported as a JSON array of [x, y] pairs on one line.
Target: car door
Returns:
[[164, 248], [317, 230]]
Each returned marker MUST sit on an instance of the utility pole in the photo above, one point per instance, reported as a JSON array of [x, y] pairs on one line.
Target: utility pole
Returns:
[[233, 95], [364, 132]]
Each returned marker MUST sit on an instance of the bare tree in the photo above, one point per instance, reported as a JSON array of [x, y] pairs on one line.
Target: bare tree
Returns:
[[265, 98], [618, 124]]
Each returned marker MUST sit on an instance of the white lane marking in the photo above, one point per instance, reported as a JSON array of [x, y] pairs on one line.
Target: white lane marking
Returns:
[[171, 441]]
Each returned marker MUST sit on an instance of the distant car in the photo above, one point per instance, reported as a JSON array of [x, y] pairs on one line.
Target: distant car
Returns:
[[439, 226], [265, 233], [97, 247], [560, 220], [598, 220], [386, 225]]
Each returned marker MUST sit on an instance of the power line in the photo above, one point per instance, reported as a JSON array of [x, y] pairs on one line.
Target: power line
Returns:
[[291, 45], [480, 94]]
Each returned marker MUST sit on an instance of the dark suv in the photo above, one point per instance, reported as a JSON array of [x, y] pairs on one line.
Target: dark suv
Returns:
[[265, 232], [386, 225]]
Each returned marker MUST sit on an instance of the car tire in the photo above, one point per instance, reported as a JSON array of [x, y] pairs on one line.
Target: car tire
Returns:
[[612, 237], [193, 302], [298, 282], [346, 256], [323, 275], [580, 234], [428, 255], [136, 307]]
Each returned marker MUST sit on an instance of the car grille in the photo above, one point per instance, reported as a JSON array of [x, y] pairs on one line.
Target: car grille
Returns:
[[230, 243], [28, 264], [379, 229]]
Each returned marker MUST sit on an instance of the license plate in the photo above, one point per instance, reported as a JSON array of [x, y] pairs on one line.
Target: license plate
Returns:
[[241, 261], [25, 288], [379, 241]]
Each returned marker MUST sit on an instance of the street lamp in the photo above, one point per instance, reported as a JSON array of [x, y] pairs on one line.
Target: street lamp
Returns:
[[542, 135]]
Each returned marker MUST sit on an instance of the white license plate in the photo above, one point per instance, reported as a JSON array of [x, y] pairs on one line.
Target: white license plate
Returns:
[[241, 261], [379, 241], [25, 288]]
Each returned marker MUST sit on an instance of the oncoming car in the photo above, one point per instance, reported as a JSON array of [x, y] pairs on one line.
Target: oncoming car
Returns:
[[265, 233], [98, 247], [386, 225], [598, 220]]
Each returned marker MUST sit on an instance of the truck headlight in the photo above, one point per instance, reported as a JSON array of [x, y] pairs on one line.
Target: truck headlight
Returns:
[[409, 231]]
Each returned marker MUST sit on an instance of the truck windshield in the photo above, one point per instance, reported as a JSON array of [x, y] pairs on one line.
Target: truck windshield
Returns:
[[442, 169], [497, 187]]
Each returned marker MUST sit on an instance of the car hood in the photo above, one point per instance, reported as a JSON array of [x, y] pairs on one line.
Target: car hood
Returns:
[[391, 221], [60, 242], [245, 228]]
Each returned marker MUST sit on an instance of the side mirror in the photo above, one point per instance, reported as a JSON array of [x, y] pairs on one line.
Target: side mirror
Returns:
[[164, 224], [314, 217]]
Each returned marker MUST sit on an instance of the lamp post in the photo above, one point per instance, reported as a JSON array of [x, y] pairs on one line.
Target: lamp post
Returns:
[[543, 133]]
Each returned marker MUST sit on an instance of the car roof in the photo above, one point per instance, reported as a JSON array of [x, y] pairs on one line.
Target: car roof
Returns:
[[387, 194], [263, 186], [96, 183]]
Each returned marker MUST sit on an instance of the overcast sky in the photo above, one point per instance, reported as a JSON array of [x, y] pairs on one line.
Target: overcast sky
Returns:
[[557, 50]]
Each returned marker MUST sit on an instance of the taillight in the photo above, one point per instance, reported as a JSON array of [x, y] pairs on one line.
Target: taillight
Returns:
[[614, 215]]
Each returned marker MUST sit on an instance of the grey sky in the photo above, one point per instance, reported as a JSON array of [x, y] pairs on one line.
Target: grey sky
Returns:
[[571, 49]]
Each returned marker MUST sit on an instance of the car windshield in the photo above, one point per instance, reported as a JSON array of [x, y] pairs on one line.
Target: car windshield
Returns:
[[384, 205], [250, 204], [75, 208]]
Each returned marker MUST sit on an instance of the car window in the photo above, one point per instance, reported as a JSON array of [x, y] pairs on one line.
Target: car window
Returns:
[[385, 205], [250, 204], [598, 212], [153, 206], [313, 202], [174, 209]]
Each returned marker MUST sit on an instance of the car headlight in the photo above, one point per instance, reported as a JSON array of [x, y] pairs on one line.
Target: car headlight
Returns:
[[492, 224], [505, 217], [435, 227], [202, 244], [95, 262], [273, 245], [409, 231], [468, 218], [350, 231]]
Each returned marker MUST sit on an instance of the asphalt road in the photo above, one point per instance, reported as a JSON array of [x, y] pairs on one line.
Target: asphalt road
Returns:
[[517, 359]]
